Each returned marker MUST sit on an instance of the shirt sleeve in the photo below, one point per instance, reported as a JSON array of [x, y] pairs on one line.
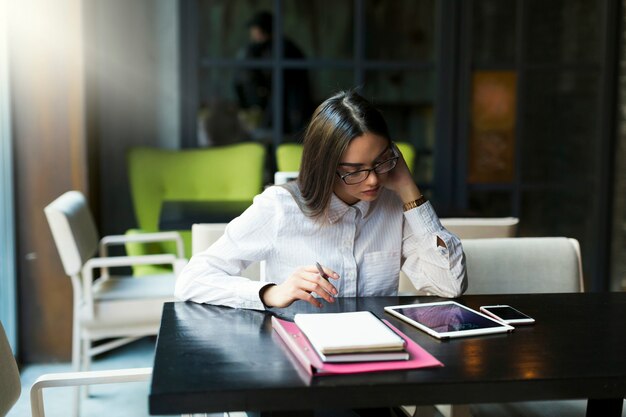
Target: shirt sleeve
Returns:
[[214, 275], [432, 269]]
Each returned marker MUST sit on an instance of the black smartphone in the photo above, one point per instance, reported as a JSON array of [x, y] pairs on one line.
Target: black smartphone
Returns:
[[507, 314]]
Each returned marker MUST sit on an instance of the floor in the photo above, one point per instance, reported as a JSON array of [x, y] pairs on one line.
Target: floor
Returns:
[[120, 400], [130, 400]]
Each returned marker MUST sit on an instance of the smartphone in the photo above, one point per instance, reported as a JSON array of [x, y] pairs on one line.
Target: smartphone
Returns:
[[507, 314]]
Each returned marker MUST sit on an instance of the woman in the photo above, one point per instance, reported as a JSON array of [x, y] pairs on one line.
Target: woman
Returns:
[[354, 208]]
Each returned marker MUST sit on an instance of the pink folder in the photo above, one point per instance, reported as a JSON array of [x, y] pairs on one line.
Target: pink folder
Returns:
[[301, 348]]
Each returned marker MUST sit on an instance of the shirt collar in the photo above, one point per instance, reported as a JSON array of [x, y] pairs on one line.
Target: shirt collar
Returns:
[[338, 208]]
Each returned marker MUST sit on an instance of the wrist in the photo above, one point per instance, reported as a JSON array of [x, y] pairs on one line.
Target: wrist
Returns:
[[409, 193], [265, 294], [414, 203]]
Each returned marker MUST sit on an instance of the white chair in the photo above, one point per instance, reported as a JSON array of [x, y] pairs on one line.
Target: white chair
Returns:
[[10, 387], [204, 235], [478, 228], [517, 266], [523, 265], [281, 177], [110, 307], [468, 228]]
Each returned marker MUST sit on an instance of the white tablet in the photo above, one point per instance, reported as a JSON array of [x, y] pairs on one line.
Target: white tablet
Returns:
[[447, 319]]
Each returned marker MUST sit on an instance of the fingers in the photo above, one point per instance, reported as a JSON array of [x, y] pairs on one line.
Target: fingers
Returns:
[[306, 296], [319, 286], [312, 274], [330, 273], [307, 280]]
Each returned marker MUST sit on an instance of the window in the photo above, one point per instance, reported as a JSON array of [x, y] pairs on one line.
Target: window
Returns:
[[509, 105], [266, 92], [8, 293]]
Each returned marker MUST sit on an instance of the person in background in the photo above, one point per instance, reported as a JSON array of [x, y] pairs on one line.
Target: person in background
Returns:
[[254, 86], [354, 208]]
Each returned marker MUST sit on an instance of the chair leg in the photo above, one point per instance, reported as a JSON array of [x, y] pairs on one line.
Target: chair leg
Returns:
[[76, 361], [86, 364]]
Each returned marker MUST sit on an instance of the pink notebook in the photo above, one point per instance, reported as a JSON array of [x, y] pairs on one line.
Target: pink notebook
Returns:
[[301, 348]]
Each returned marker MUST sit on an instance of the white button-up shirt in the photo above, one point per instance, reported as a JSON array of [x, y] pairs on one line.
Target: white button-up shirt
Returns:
[[366, 244]]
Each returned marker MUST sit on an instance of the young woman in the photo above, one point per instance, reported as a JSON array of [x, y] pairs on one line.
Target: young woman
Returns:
[[354, 209]]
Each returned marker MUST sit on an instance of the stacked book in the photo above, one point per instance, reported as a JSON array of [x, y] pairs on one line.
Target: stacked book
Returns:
[[351, 337], [347, 343]]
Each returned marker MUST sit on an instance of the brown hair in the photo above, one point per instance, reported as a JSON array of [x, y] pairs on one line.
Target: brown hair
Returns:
[[334, 124]]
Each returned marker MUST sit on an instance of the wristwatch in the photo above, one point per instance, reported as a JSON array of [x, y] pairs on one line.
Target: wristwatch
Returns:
[[415, 203]]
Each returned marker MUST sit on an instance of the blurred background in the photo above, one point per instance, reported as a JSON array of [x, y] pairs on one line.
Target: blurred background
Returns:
[[514, 108]]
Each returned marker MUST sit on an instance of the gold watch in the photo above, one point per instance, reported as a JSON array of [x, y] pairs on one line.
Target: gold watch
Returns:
[[415, 203]]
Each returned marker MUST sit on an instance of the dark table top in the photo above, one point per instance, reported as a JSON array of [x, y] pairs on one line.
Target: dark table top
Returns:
[[211, 358], [180, 215]]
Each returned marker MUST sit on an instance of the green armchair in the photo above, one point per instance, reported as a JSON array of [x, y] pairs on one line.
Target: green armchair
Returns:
[[289, 155], [225, 173]]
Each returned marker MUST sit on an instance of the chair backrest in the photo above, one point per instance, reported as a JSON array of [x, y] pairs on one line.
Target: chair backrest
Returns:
[[282, 177], [289, 155], [469, 228], [73, 229], [204, 235], [408, 152], [479, 228], [225, 173], [523, 265], [10, 387]]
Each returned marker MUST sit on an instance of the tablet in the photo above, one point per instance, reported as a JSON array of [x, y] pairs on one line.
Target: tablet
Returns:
[[448, 319]]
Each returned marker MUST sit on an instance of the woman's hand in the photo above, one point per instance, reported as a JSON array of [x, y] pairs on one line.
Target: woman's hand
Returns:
[[299, 286], [401, 181]]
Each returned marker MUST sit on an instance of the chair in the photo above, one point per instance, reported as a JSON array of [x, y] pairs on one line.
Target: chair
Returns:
[[469, 228], [224, 173], [204, 235], [111, 306], [478, 228], [408, 151], [282, 177], [289, 155], [523, 265], [10, 387], [516, 266]]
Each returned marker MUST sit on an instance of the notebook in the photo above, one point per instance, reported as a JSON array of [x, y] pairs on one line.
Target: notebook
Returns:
[[299, 348], [352, 332], [401, 355]]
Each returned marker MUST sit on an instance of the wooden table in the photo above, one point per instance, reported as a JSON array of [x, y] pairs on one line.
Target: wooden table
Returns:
[[211, 359]]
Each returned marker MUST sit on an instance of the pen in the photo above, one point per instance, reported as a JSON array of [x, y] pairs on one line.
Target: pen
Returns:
[[323, 274]]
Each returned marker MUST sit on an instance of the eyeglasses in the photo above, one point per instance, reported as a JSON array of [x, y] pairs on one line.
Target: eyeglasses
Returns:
[[356, 177]]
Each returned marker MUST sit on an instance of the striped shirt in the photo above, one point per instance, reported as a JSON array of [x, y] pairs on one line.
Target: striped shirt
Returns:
[[366, 244]]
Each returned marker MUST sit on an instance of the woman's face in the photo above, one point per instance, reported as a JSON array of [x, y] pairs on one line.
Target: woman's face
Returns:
[[363, 152]]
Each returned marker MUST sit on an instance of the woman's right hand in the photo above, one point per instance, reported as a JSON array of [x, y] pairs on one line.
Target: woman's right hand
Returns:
[[299, 286]]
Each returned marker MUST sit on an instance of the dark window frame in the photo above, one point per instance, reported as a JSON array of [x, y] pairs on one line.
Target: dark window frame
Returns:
[[453, 65]]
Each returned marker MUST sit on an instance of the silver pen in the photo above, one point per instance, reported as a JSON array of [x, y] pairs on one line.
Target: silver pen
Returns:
[[321, 270], [324, 274]]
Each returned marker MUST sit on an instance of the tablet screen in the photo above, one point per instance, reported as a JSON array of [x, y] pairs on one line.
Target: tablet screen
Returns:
[[447, 319]]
